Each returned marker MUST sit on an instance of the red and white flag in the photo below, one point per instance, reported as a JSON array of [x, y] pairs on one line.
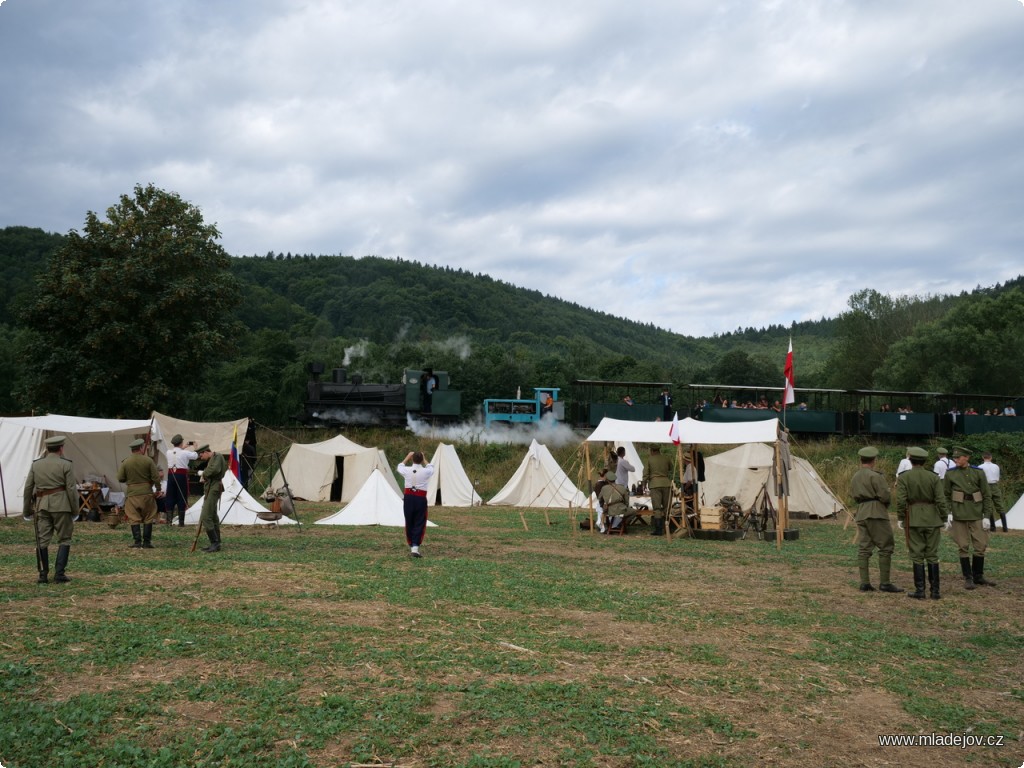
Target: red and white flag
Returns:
[[790, 396], [673, 431]]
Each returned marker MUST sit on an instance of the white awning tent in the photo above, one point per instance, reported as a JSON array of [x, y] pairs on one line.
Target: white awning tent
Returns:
[[746, 469], [236, 507], [691, 431], [539, 482], [312, 468], [96, 446], [216, 434], [376, 503], [450, 486]]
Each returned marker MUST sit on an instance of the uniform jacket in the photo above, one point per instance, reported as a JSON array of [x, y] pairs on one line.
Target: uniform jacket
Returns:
[[51, 471], [871, 492], [658, 471], [968, 481], [920, 491], [139, 474]]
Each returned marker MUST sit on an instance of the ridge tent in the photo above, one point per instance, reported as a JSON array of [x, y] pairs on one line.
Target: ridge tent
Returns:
[[376, 503], [216, 434], [238, 505], [1015, 516], [743, 471], [95, 446], [539, 482], [450, 485], [332, 470]]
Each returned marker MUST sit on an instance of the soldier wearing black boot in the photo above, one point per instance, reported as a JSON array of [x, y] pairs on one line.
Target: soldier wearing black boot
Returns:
[[213, 474], [870, 490], [921, 505], [970, 501], [50, 490], [139, 474], [658, 476]]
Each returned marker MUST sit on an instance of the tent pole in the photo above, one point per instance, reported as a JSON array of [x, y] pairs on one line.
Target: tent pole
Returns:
[[3, 489], [780, 522], [590, 495]]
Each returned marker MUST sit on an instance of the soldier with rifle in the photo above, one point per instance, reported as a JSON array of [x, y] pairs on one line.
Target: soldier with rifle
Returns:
[[921, 505], [50, 492], [213, 474]]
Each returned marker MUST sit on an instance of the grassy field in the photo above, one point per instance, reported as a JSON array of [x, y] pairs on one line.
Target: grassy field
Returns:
[[325, 646]]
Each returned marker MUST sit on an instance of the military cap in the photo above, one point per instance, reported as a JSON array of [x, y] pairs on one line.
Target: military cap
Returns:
[[917, 453], [941, 451], [177, 440], [203, 448], [958, 451], [56, 441], [870, 452], [136, 443]]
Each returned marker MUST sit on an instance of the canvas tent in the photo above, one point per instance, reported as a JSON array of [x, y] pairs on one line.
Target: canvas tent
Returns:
[[449, 485], [332, 470], [96, 446], [236, 507], [691, 431], [539, 482], [1015, 516], [216, 434], [376, 503], [743, 471]]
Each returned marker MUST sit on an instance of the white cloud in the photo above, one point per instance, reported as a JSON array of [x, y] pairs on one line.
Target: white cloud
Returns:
[[700, 166]]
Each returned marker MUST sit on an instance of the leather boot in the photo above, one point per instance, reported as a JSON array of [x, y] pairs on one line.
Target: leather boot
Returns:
[[181, 518], [1002, 516], [657, 526], [63, 553], [884, 569], [147, 536], [214, 537], [918, 593], [43, 563], [978, 572], [965, 567], [933, 580], [865, 574], [136, 537]]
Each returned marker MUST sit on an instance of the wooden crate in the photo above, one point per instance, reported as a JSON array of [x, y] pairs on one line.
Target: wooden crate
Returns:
[[711, 518]]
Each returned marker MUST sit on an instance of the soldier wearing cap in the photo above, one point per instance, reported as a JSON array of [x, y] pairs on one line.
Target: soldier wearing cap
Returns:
[[50, 491], [140, 476], [870, 490], [970, 500], [213, 474], [921, 505], [658, 476], [178, 459]]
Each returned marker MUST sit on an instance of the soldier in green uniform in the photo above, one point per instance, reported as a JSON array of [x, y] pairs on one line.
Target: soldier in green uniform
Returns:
[[870, 490], [967, 493], [213, 474], [658, 476], [614, 500], [921, 505], [140, 476], [50, 491]]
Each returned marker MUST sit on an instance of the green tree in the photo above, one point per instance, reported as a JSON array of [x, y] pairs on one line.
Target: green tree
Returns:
[[128, 315]]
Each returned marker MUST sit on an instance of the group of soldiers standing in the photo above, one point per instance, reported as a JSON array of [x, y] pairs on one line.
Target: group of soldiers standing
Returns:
[[924, 502], [51, 498]]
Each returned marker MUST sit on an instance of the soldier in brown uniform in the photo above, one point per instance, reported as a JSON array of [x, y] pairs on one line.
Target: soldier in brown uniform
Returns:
[[50, 492], [658, 476], [139, 474], [921, 505], [970, 500], [870, 490]]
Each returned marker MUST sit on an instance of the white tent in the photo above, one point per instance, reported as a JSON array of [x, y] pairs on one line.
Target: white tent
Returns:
[[1015, 516], [216, 434], [539, 482], [376, 503], [743, 471], [691, 431], [311, 469], [449, 485], [236, 507], [96, 446]]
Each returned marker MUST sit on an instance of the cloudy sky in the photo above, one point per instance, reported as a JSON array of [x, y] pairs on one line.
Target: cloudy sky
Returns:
[[700, 165]]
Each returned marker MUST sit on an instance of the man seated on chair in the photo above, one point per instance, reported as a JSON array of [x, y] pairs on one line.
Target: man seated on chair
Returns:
[[614, 500]]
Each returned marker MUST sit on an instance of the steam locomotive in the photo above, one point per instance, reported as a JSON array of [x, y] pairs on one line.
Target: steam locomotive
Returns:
[[348, 400]]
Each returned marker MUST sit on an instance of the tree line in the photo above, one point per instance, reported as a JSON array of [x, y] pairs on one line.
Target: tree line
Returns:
[[143, 309]]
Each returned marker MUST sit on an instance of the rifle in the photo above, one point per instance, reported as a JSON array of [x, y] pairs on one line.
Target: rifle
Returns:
[[35, 527], [199, 525]]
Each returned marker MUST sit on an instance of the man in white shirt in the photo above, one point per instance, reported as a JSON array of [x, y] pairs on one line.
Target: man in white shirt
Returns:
[[943, 463], [904, 465], [178, 459], [414, 505], [994, 475]]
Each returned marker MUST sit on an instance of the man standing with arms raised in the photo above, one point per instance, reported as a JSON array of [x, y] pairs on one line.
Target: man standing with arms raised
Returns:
[[178, 459], [414, 504]]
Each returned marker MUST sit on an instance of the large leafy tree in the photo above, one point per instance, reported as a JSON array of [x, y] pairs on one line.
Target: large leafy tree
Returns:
[[128, 314]]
